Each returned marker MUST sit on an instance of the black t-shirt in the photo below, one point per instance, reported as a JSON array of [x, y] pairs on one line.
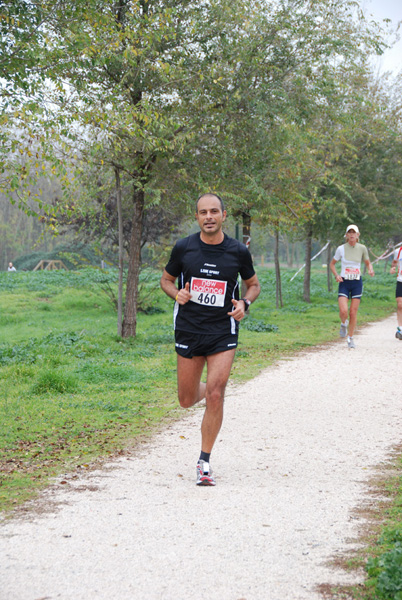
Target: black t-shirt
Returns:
[[212, 271]]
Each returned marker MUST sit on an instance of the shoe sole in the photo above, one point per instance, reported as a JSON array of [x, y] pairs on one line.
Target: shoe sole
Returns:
[[206, 482], [343, 332], [398, 337]]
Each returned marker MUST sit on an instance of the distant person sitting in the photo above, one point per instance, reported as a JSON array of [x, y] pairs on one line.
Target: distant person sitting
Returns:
[[11, 267]]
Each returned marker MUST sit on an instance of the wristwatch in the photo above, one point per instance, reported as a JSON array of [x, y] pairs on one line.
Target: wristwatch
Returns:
[[246, 303]]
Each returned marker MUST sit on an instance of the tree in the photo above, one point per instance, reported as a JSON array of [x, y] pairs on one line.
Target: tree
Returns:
[[285, 121], [218, 95], [126, 81]]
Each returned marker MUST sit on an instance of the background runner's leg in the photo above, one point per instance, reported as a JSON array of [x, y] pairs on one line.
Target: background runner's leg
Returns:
[[189, 371], [399, 311], [219, 366], [343, 308], [354, 306]]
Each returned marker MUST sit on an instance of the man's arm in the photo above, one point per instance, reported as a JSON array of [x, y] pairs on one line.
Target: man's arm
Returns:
[[253, 288], [252, 293], [393, 267], [168, 284]]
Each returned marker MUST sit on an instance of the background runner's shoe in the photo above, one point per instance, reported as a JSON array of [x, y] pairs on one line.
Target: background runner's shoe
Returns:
[[398, 335], [204, 474], [351, 343], [344, 329]]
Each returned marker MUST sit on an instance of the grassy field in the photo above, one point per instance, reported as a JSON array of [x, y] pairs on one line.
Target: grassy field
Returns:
[[72, 391]]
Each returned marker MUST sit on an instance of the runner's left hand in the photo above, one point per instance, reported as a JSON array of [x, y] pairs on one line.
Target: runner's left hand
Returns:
[[238, 311]]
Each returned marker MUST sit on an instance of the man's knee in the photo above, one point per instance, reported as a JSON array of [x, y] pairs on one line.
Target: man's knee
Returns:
[[214, 399], [186, 400]]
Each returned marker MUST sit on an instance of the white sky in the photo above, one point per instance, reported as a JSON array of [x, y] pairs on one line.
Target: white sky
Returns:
[[391, 60]]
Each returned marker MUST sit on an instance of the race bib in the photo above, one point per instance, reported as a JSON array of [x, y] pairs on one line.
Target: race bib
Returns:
[[351, 273], [208, 292]]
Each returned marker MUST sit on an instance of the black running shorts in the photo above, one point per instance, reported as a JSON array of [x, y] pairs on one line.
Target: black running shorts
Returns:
[[398, 289], [351, 288], [193, 344]]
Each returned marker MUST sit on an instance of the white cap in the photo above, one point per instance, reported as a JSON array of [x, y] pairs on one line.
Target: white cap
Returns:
[[355, 227]]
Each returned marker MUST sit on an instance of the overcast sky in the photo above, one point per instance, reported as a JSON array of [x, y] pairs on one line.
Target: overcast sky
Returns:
[[383, 9]]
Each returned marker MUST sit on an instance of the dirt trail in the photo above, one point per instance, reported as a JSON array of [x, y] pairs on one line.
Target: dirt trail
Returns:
[[298, 445]]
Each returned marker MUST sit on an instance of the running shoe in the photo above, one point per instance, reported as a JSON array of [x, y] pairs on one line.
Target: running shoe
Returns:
[[351, 343], [398, 334], [344, 329], [204, 474]]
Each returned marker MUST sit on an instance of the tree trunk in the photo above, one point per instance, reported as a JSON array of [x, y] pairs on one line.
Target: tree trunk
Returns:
[[289, 254], [246, 228], [307, 269], [329, 274], [120, 221], [278, 294], [246, 240], [134, 264]]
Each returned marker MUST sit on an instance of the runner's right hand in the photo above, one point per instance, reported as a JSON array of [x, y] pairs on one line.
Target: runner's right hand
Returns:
[[184, 295]]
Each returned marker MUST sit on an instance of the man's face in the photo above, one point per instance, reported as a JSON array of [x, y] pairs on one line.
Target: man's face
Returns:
[[210, 216]]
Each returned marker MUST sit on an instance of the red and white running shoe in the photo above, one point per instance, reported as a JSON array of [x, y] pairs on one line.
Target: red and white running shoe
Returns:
[[204, 474]]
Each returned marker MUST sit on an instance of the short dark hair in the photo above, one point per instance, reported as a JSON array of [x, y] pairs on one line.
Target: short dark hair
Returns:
[[209, 194]]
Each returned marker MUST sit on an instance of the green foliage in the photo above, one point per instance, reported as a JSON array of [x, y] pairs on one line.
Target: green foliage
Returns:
[[279, 116], [388, 571], [52, 282], [23, 353], [258, 325], [74, 256], [53, 381]]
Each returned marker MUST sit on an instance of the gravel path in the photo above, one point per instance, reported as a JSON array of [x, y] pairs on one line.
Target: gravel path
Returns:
[[292, 461]]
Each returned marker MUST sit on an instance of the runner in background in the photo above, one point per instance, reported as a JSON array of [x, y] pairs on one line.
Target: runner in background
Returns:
[[350, 280], [207, 312], [396, 267]]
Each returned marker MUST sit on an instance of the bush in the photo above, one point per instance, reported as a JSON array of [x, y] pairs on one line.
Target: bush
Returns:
[[388, 569], [258, 325], [52, 381]]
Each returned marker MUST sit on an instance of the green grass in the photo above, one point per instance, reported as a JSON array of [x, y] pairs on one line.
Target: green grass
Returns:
[[71, 391], [380, 555]]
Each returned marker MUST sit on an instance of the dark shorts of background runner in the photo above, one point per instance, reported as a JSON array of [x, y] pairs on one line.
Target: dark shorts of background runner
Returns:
[[351, 288], [398, 289], [193, 344]]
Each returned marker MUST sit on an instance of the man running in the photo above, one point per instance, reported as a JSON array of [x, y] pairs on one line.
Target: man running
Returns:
[[398, 261], [207, 312], [350, 280]]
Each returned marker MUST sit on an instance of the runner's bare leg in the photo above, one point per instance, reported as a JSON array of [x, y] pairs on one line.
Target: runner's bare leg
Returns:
[[219, 366], [343, 308], [399, 311], [354, 307], [190, 388]]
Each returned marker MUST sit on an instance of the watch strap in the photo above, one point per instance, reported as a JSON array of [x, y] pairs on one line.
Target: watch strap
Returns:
[[246, 303]]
